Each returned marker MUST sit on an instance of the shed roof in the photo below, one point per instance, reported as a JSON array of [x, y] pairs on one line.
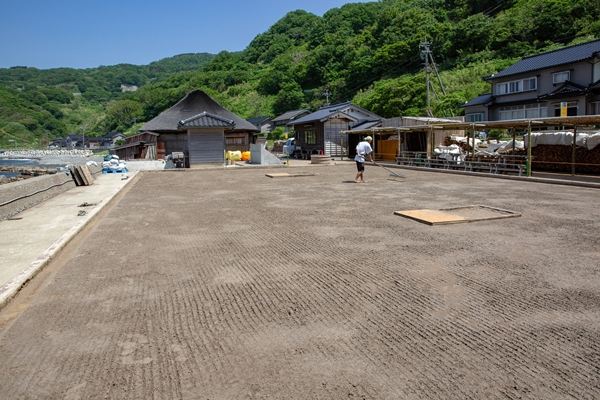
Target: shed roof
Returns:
[[567, 55], [194, 104], [366, 125], [479, 100]]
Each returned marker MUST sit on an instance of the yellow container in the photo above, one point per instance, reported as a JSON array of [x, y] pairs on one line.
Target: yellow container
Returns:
[[233, 155], [246, 156]]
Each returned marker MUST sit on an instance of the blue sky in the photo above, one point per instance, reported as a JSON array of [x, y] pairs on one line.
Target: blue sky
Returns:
[[86, 34]]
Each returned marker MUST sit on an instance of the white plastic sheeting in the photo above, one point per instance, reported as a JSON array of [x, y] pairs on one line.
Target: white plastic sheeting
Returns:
[[555, 138], [592, 140], [451, 153]]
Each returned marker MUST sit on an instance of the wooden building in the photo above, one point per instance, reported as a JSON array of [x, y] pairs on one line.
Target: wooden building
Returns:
[[202, 129], [321, 131], [142, 146]]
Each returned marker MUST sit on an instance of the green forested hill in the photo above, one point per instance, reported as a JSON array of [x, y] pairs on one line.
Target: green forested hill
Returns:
[[365, 52]]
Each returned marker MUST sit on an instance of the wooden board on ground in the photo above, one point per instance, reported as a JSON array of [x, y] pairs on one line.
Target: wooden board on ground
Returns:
[[76, 176], [457, 215], [82, 175], [289, 174], [86, 173]]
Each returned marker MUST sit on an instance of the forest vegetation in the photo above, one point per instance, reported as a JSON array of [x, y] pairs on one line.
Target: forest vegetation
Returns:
[[369, 53]]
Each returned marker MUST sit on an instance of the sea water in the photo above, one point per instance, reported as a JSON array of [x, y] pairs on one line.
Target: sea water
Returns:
[[29, 162]]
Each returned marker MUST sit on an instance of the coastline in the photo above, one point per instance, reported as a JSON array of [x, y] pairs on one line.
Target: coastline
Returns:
[[55, 158], [19, 165]]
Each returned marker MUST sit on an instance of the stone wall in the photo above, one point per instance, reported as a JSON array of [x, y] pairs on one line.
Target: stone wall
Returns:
[[19, 196]]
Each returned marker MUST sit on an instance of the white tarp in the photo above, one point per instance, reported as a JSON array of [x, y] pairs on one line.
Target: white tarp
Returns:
[[451, 153], [494, 148], [555, 138], [592, 140]]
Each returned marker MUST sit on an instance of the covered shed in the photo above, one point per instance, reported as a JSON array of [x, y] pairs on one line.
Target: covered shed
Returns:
[[202, 129], [323, 130]]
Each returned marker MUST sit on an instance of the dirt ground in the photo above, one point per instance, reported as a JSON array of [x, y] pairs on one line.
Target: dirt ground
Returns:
[[227, 284]]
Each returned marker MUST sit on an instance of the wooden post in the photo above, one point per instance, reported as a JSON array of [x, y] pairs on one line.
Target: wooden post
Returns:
[[473, 140], [514, 134], [528, 166], [573, 151]]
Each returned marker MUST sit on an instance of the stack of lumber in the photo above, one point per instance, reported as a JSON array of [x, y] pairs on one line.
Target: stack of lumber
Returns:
[[558, 158], [81, 175]]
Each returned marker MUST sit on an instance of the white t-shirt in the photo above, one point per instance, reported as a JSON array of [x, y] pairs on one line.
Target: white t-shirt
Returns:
[[362, 149]]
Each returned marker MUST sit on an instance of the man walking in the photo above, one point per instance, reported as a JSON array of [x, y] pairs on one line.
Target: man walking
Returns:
[[362, 149]]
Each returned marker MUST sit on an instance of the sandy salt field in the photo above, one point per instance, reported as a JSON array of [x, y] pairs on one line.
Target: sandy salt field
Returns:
[[226, 284]]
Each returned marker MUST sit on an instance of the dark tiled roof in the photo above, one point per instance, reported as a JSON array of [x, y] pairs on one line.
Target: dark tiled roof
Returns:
[[258, 120], [366, 125], [567, 55], [193, 104], [206, 120], [324, 113], [479, 100], [289, 115], [595, 85], [566, 89], [113, 134]]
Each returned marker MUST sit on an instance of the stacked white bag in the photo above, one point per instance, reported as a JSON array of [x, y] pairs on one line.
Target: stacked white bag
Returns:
[[114, 164]]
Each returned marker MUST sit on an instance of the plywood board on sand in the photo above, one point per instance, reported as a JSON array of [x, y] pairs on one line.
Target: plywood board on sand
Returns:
[[457, 215], [289, 175]]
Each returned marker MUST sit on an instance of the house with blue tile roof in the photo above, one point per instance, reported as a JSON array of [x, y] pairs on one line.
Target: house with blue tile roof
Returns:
[[550, 84], [321, 131]]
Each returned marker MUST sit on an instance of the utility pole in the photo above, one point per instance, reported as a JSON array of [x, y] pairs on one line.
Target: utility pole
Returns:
[[424, 46], [327, 94], [134, 125], [83, 134], [427, 56]]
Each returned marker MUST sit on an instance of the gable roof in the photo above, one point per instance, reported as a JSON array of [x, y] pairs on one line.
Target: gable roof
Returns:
[[259, 120], [567, 55], [324, 113], [290, 115], [113, 134], [206, 120], [192, 105], [568, 88]]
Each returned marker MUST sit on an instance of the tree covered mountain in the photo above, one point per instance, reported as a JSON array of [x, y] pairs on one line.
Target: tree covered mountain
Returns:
[[369, 53]]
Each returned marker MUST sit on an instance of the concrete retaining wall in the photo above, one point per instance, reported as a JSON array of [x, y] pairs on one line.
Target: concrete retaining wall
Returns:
[[147, 165], [21, 195]]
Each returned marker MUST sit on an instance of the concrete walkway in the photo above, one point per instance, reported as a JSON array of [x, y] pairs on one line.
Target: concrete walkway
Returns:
[[31, 238]]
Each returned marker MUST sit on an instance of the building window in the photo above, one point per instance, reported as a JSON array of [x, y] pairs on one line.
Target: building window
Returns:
[[523, 85], [595, 108], [474, 117], [235, 141], [522, 112], [310, 137], [562, 76]]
